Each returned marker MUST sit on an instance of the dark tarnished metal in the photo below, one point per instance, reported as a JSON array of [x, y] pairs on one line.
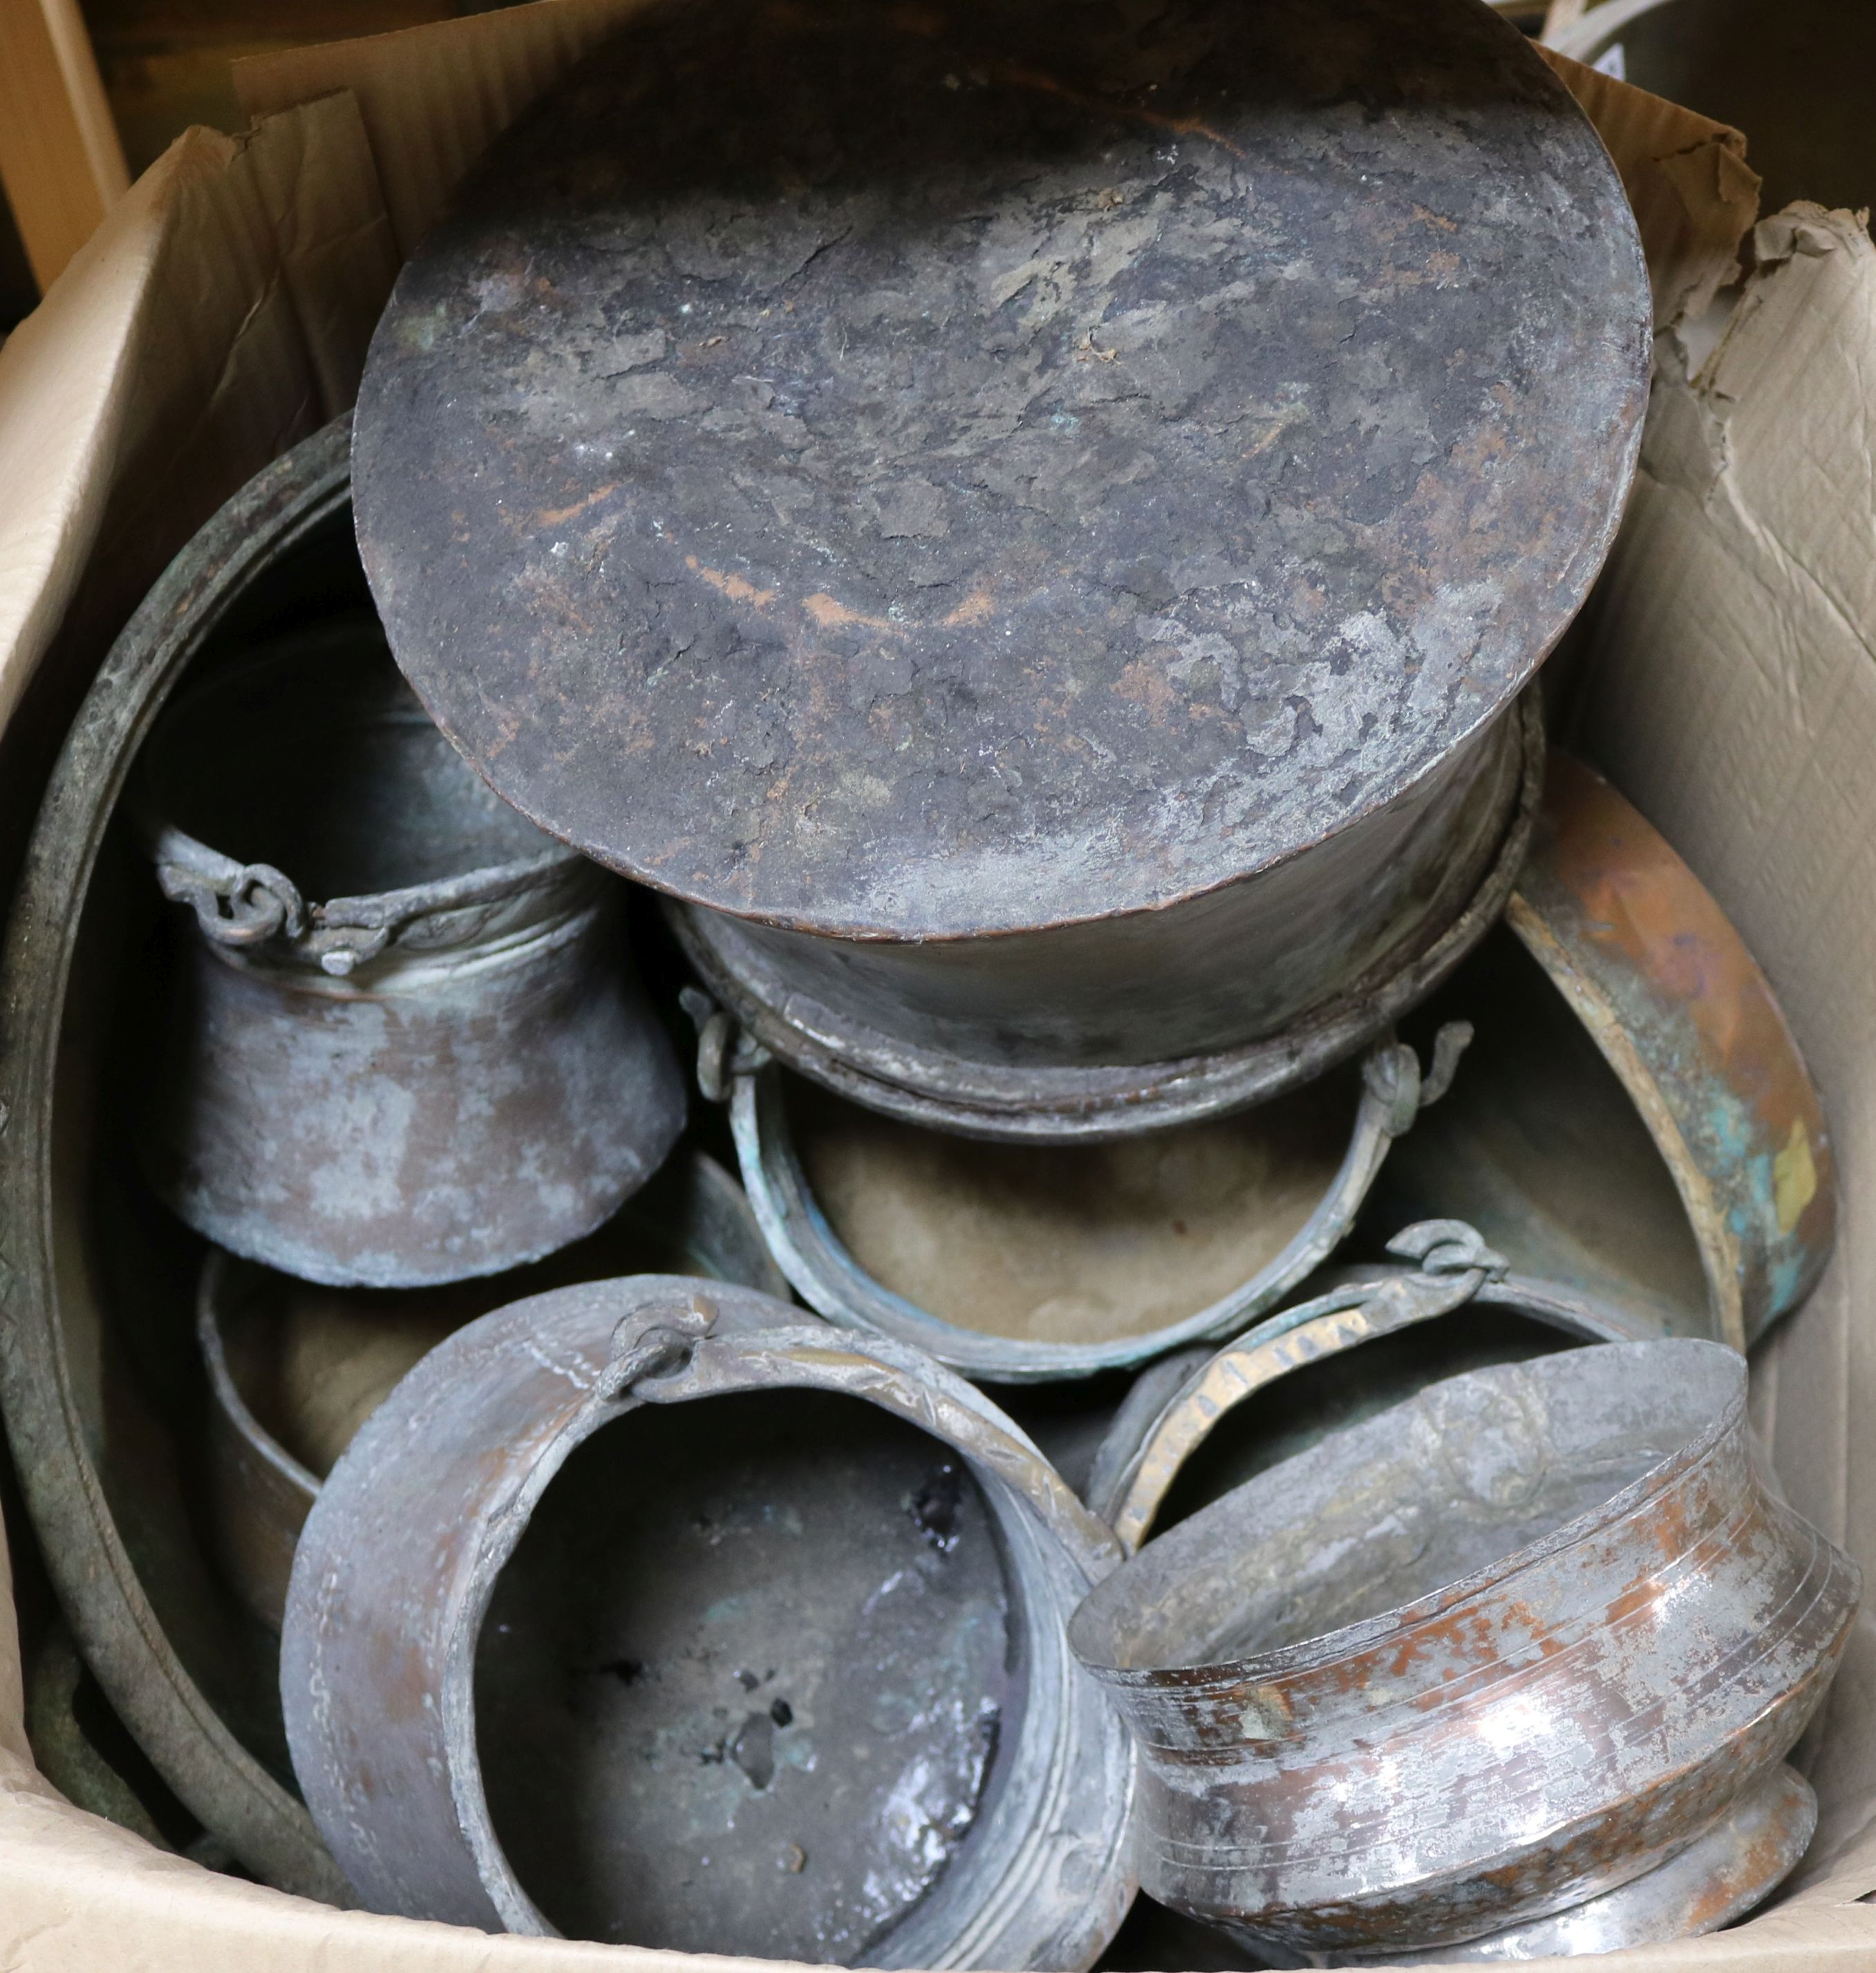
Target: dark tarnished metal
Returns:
[[822, 1012], [1738, 1862], [1321, 1148], [1548, 1152], [1492, 1653], [922, 1083], [1041, 513], [516, 1700], [1145, 1452], [95, 1453], [65, 1753], [407, 1046], [294, 1370]]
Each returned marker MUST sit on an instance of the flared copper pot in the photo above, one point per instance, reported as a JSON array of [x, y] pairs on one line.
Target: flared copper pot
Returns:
[[1483, 1657], [406, 1045]]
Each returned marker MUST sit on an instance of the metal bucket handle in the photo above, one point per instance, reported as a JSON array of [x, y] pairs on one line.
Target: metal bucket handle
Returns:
[[248, 907], [1455, 1267], [734, 1067], [235, 904]]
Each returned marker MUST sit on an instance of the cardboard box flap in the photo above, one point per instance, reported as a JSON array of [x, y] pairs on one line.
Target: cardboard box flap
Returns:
[[1695, 198], [79, 1894], [434, 98], [220, 314], [1730, 690]]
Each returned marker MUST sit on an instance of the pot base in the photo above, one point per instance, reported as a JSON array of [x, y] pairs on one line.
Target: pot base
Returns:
[[947, 1091], [1740, 1859]]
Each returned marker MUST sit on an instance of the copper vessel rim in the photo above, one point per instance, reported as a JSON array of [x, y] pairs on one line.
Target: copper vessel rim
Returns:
[[1510, 712], [147, 807], [921, 1084], [220, 1267], [1504, 712], [1352, 1640]]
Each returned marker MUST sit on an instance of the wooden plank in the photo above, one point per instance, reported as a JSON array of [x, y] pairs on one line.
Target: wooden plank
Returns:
[[60, 161]]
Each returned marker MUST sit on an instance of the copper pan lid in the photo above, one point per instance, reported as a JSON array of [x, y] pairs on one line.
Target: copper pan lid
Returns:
[[903, 474]]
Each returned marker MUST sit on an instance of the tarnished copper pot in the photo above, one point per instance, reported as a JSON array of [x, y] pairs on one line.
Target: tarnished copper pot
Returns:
[[1024, 1262], [1046, 585], [782, 1667], [407, 1045], [1103, 1028], [293, 1369], [1486, 1655], [96, 1273], [1736, 1862]]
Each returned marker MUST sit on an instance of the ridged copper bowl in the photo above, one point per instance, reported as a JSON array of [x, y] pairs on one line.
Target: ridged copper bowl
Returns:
[[1486, 1655]]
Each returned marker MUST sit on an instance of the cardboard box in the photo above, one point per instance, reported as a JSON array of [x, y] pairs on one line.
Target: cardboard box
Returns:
[[1722, 673]]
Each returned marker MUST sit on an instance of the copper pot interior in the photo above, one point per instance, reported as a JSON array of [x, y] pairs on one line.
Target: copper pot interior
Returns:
[[1307, 1405], [1538, 1145], [312, 1363], [1085, 1243], [367, 797], [741, 1686]]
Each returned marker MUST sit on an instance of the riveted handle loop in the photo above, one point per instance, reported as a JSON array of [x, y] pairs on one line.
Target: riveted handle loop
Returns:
[[238, 904], [1392, 1075], [724, 1052], [658, 1341]]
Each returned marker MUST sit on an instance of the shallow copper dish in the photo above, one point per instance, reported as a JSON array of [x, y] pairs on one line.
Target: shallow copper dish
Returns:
[[1634, 1118], [1017, 1263], [100, 1426]]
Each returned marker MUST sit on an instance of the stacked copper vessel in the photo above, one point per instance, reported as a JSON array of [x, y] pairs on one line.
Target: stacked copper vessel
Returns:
[[981, 576]]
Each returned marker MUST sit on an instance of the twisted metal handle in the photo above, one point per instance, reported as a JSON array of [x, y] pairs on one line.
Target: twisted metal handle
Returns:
[[1392, 1074], [1454, 1263], [239, 905]]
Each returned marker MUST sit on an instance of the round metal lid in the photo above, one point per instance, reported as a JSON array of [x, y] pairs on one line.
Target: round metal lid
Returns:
[[908, 474]]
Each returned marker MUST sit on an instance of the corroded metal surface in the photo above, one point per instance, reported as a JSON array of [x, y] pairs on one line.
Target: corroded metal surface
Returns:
[[878, 1023], [83, 1458], [1736, 1863], [397, 1691], [1664, 985], [1095, 477], [407, 1045], [829, 1278], [1491, 1654], [1161, 436], [744, 1694], [1144, 1454], [275, 1425]]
